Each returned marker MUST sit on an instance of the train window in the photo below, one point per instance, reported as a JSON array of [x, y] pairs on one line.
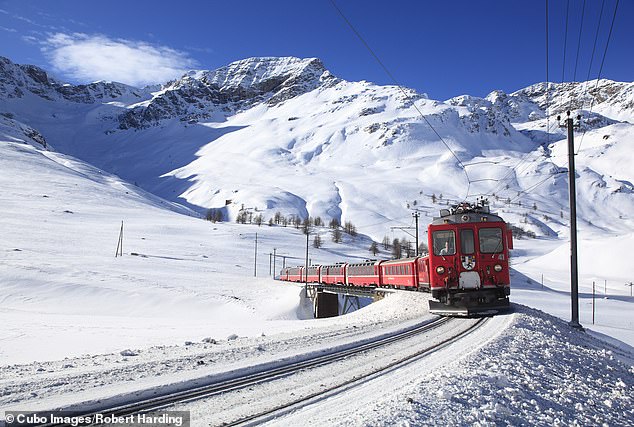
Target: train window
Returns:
[[444, 242], [467, 242], [490, 240]]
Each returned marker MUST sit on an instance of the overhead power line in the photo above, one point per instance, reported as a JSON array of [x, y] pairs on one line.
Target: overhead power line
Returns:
[[583, 10], [605, 52], [398, 85]]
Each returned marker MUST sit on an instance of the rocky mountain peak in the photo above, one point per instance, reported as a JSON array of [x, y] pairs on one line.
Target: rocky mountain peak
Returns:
[[238, 85], [16, 80]]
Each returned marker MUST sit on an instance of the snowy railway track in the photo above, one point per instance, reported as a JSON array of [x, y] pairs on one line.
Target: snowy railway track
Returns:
[[241, 386], [339, 387]]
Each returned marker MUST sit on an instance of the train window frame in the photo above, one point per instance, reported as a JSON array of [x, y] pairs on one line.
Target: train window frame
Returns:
[[499, 245], [439, 237], [468, 239]]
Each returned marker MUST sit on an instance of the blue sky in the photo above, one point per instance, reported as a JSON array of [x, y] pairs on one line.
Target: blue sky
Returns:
[[442, 48]]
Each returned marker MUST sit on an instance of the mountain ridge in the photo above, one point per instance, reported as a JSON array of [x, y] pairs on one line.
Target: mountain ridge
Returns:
[[254, 131]]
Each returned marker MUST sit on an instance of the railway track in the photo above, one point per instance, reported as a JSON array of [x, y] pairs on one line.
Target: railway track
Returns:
[[178, 398]]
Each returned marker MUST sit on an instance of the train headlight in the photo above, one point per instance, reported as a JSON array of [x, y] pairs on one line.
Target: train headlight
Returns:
[[497, 267], [440, 270]]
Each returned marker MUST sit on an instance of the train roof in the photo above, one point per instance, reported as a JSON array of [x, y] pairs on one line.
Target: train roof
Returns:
[[467, 213], [400, 260]]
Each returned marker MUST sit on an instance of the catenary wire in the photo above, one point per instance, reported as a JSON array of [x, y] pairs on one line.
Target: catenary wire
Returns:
[[397, 84], [605, 51], [583, 10]]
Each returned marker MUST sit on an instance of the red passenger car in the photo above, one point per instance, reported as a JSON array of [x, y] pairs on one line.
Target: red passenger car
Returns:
[[292, 274], [333, 274], [400, 273], [314, 274], [364, 274]]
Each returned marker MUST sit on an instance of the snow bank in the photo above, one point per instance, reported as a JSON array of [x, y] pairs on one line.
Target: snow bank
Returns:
[[538, 372]]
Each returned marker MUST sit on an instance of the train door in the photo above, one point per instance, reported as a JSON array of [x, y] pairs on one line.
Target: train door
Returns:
[[469, 277]]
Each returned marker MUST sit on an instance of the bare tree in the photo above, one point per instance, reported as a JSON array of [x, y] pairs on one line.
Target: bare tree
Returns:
[[214, 215], [406, 246], [350, 228], [396, 249], [386, 243], [374, 248], [278, 217], [242, 217], [306, 226]]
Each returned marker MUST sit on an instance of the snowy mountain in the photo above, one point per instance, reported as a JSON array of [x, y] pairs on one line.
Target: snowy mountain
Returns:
[[190, 298], [307, 143]]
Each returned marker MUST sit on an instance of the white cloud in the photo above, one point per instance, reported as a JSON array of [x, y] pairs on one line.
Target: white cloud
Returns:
[[96, 57]]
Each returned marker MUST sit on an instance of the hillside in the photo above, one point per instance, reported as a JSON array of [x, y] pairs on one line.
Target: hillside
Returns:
[[190, 298], [364, 148]]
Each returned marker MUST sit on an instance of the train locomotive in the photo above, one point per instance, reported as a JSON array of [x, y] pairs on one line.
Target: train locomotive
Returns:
[[466, 269]]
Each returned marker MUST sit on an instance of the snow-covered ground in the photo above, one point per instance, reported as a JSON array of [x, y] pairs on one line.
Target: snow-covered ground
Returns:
[[71, 309], [187, 298]]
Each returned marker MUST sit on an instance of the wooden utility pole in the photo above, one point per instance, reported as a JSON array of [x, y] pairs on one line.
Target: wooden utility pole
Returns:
[[274, 255], [574, 275], [255, 262]]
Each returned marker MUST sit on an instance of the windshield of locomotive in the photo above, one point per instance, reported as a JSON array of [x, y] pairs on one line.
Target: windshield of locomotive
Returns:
[[444, 242], [490, 240]]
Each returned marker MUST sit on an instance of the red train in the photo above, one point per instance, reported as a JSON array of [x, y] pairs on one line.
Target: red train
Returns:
[[466, 271]]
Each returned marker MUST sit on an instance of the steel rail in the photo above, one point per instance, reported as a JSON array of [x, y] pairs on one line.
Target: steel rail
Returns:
[[216, 388], [284, 409]]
